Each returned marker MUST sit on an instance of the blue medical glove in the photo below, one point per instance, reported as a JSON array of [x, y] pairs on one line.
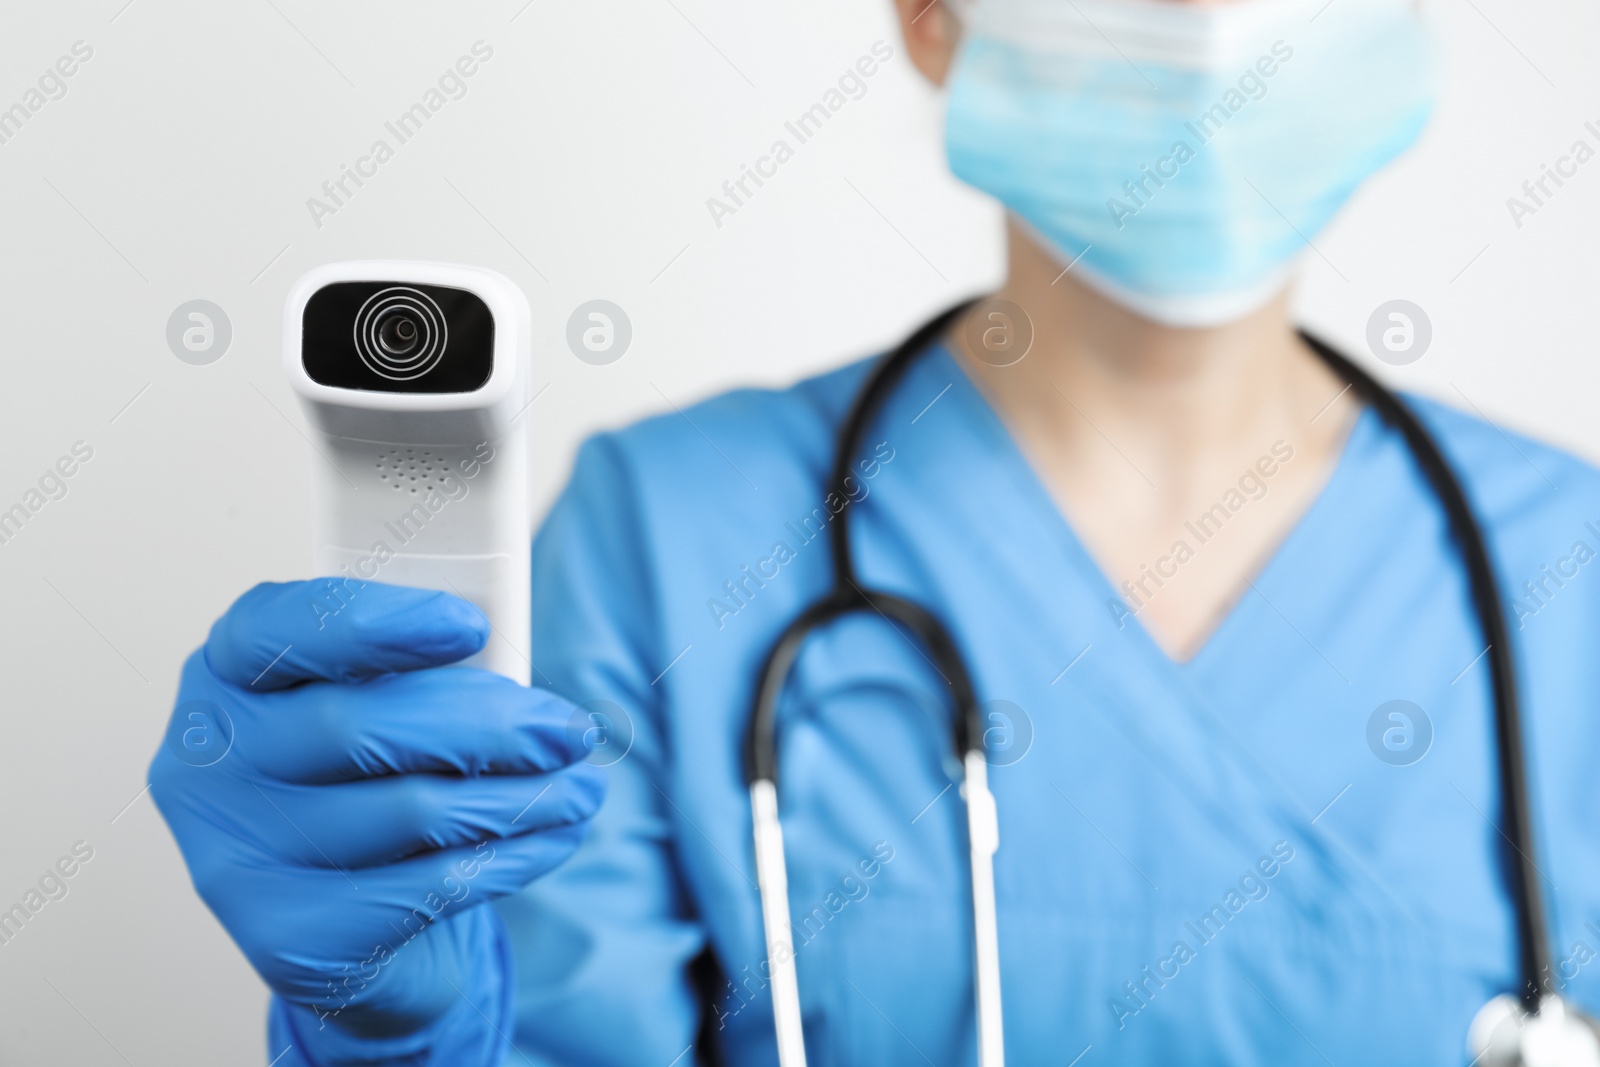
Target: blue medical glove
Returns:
[[344, 801]]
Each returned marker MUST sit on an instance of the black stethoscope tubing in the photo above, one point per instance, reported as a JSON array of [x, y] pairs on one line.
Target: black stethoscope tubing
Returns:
[[849, 595], [1516, 805]]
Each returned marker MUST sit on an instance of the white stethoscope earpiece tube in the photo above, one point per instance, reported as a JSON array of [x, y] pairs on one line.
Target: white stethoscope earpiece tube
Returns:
[[983, 832], [772, 878], [772, 875]]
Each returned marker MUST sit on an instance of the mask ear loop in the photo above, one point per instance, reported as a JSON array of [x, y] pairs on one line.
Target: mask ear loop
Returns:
[[963, 11]]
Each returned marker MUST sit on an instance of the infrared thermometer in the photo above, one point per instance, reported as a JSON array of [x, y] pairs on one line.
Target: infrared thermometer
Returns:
[[415, 381]]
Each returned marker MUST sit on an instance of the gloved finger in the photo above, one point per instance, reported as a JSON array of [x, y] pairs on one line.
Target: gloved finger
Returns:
[[339, 630], [455, 720], [381, 821], [300, 924], [485, 871]]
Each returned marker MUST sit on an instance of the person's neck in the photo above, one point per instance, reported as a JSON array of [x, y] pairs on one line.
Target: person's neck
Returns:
[[1141, 431], [1168, 396]]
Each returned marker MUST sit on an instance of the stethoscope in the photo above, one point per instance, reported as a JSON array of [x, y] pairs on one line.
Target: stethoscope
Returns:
[[1536, 1027]]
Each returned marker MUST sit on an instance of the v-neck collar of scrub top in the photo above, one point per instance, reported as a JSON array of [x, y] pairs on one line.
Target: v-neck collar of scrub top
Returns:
[[967, 444], [1243, 604]]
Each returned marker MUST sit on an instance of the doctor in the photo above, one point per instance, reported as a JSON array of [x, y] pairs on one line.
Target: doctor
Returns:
[[1237, 707]]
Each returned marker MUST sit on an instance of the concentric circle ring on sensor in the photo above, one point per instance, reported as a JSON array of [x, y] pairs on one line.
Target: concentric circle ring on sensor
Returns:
[[433, 333]]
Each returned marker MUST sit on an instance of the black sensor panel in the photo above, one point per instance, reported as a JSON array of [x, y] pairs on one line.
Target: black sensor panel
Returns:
[[395, 337]]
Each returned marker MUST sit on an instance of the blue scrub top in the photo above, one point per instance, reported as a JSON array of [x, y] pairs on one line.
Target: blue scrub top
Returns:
[[1241, 859]]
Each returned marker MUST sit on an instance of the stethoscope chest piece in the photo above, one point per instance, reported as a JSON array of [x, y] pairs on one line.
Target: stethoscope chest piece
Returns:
[[1505, 1034]]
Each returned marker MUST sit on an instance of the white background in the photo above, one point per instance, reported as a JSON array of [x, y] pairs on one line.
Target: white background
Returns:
[[178, 166]]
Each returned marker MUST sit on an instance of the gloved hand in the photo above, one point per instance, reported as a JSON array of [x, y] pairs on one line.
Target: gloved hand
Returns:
[[344, 801]]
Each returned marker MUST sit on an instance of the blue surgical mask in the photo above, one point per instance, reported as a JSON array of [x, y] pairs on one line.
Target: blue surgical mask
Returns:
[[1181, 158]]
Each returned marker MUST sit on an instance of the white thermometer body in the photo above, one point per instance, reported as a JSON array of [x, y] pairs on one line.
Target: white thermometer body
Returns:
[[415, 380]]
